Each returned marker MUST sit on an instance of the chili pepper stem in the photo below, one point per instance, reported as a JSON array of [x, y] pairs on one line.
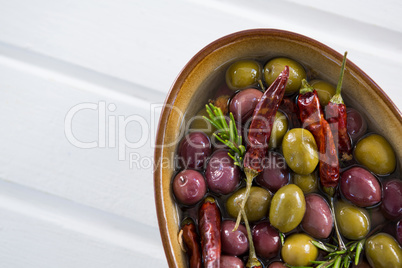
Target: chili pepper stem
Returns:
[[250, 175], [306, 87], [337, 98], [252, 257], [341, 245]]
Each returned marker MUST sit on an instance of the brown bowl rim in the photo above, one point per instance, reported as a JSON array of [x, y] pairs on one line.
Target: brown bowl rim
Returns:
[[193, 62]]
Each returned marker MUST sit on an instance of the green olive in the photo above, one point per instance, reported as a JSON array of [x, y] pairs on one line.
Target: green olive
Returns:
[[353, 221], [242, 74], [287, 208], [307, 183], [298, 250], [382, 251], [256, 206], [375, 153], [296, 73], [198, 123], [324, 90], [279, 129], [300, 151]]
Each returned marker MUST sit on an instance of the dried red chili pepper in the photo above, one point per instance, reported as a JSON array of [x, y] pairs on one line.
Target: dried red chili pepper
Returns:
[[210, 231], [289, 107], [336, 116], [313, 119], [260, 131], [191, 240]]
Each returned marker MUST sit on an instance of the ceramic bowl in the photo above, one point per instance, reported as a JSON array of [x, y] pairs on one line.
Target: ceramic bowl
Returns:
[[189, 93]]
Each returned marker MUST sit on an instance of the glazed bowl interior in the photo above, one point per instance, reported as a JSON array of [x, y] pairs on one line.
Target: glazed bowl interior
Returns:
[[194, 86]]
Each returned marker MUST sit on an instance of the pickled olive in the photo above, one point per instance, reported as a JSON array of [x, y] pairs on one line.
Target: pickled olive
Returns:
[[300, 151], [382, 251], [353, 221], [275, 173], [317, 220], [266, 240], [307, 183], [392, 199], [189, 187], [399, 231], [194, 149], [298, 250], [375, 153], [221, 174], [296, 73], [242, 74], [257, 204], [231, 262], [243, 104], [199, 124], [277, 264], [287, 208], [357, 125], [279, 129], [233, 242], [360, 187], [324, 90]]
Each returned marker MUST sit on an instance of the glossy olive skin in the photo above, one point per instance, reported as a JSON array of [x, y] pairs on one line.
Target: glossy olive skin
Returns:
[[307, 183], [325, 91], [392, 199], [353, 222], [360, 187], [194, 149], [222, 175], [300, 150], [242, 105], [317, 221], [231, 262], [266, 240], [382, 251], [298, 250], [233, 242], [189, 187], [199, 124], [257, 204], [287, 208], [375, 153], [275, 174], [296, 73], [242, 74], [279, 129], [277, 264], [356, 124]]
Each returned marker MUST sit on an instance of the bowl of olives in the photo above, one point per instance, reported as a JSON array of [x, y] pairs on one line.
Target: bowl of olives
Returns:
[[274, 150]]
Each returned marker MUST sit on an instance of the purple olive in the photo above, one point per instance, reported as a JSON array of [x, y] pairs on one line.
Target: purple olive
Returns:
[[266, 240], [360, 187], [317, 220], [194, 149], [189, 187], [356, 124], [233, 242], [277, 264], [231, 262], [392, 199], [221, 174], [243, 104], [275, 174], [399, 232]]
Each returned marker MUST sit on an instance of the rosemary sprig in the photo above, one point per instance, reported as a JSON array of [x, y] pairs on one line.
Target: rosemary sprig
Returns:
[[227, 134]]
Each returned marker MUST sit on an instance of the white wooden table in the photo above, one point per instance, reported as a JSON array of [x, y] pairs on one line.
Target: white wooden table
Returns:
[[81, 84]]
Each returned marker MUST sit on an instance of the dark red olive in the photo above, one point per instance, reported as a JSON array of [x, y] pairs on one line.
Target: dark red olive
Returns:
[[399, 232], [392, 199], [277, 264], [360, 187], [243, 104], [275, 174], [266, 240], [221, 174], [317, 220], [356, 124], [189, 187], [231, 262], [194, 149], [233, 242]]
